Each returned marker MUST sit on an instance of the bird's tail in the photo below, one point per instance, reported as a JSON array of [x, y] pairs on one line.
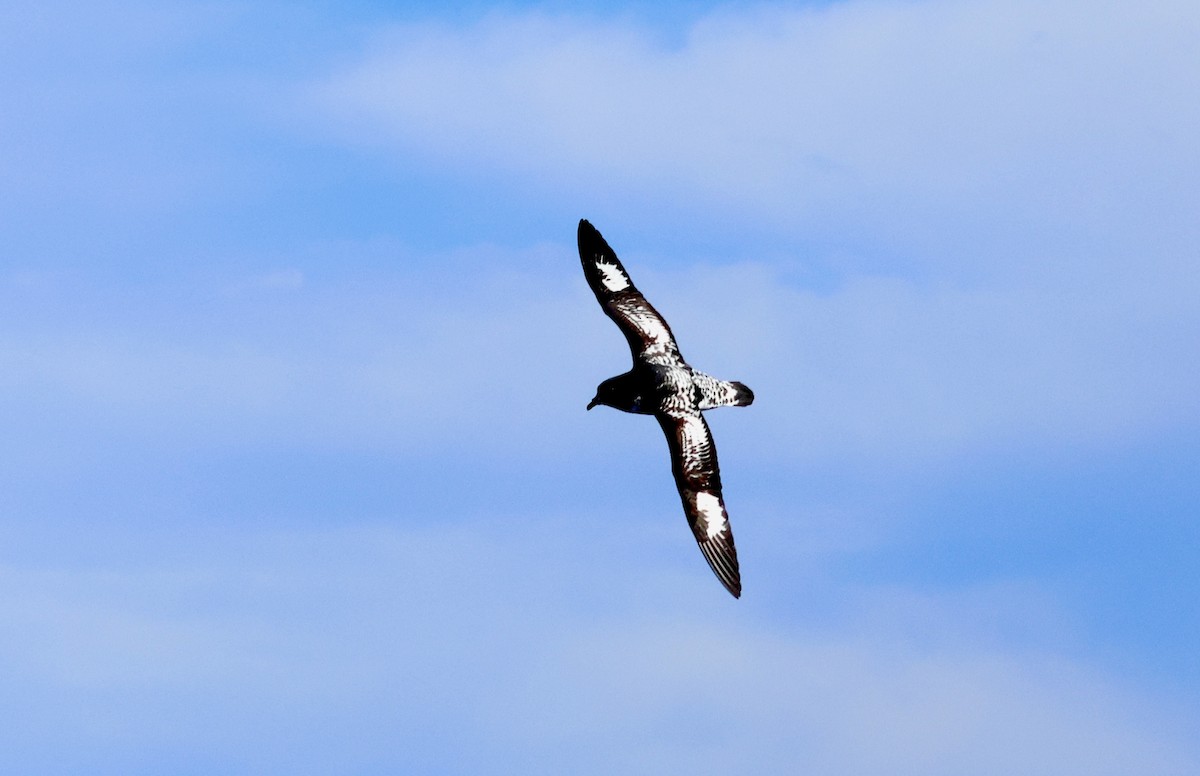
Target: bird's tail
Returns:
[[721, 393]]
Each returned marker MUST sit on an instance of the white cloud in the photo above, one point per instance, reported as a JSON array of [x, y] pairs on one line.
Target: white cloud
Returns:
[[1008, 189], [907, 374], [417, 360], [1036, 160], [499, 651], [1040, 112], [896, 372]]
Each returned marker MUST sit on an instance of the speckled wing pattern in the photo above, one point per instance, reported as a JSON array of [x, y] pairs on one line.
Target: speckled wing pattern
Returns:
[[649, 337]]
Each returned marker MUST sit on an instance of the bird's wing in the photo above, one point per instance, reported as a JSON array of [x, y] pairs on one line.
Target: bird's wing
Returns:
[[698, 478], [650, 338]]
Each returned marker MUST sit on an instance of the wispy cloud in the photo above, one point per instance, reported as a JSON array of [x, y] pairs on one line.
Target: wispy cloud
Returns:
[[895, 372], [294, 480], [1010, 187], [1037, 111], [201, 651]]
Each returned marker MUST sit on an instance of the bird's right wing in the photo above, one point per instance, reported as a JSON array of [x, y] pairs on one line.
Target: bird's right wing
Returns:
[[698, 478], [649, 336]]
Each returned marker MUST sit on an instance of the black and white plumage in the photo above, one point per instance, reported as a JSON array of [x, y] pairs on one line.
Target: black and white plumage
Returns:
[[663, 385]]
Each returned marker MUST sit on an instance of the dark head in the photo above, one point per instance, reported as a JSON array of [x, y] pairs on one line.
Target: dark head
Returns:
[[621, 392], [606, 394]]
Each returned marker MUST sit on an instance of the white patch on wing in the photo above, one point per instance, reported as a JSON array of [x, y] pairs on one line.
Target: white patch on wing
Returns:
[[612, 277], [654, 329], [709, 506]]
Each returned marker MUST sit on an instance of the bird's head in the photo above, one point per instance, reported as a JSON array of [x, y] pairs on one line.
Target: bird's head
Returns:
[[604, 395], [619, 393]]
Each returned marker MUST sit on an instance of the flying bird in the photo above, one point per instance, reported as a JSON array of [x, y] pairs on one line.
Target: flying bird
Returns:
[[663, 385]]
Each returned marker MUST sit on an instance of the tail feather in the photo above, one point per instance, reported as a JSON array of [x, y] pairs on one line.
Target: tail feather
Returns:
[[743, 396]]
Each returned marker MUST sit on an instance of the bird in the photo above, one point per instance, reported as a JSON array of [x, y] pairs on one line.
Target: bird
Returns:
[[662, 384]]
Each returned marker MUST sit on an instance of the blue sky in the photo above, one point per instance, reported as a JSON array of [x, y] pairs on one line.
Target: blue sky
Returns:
[[295, 475]]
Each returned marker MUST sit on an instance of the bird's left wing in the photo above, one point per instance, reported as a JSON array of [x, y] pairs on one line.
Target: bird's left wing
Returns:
[[649, 336]]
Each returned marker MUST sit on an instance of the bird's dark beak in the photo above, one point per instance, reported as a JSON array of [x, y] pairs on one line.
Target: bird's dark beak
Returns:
[[593, 403]]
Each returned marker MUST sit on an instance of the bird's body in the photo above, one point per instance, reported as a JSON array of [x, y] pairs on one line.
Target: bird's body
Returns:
[[662, 384]]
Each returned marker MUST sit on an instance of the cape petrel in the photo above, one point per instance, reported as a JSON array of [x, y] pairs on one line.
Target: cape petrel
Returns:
[[663, 385]]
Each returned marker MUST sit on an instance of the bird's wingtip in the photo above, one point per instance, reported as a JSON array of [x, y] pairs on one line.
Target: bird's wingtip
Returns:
[[734, 585], [590, 240], [722, 559]]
